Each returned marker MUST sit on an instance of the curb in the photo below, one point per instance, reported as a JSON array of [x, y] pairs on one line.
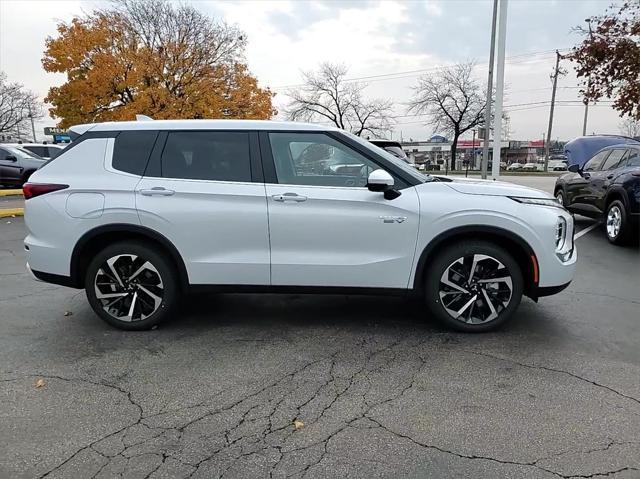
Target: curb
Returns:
[[11, 212], [10, 192]]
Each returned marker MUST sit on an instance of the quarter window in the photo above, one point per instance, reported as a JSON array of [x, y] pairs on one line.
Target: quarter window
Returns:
[[207, 155], [614, 159], [315, 159], [594, 163], [132, 149]]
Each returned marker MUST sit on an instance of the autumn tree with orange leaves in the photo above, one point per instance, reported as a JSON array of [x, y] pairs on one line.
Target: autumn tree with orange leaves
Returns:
[[154, 58]]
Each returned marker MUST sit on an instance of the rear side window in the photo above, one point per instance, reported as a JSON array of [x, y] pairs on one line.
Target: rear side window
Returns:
[[132, 150], [38, 150], [633, 158], [207, 155]]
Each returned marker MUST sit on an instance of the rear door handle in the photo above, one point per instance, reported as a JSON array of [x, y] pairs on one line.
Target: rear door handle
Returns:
[[609, 177], [157, 191], [289, 197]]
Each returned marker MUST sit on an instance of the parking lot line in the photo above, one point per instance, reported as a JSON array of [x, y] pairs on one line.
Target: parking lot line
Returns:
[[586, 230]]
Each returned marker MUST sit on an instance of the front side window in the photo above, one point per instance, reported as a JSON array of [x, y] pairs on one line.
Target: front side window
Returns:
[[38, 150], [614, 159], [207, 155], [594, 163], [316, 159]]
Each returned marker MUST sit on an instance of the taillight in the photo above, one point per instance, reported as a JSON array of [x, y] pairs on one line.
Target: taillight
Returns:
[[31, 190]]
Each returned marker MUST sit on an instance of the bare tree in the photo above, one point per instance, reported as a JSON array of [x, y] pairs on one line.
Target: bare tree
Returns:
[[452, 99], [17, 105], [630, 127], [328, 95]]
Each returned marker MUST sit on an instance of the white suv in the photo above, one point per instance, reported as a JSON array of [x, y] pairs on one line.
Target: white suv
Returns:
[[137, 213]]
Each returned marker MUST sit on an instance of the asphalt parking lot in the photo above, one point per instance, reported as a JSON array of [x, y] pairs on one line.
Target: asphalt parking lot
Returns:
[[380, 390]]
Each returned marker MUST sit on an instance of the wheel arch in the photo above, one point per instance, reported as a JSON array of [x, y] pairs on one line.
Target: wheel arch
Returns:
[[96, 239], [616, 193], [513, 243]]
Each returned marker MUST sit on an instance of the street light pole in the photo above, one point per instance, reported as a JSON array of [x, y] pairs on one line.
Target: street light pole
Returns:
[[487, 108], [586, 101], [497, 129]]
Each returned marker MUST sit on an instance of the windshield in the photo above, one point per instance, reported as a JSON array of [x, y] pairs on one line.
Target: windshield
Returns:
[[390, 157]]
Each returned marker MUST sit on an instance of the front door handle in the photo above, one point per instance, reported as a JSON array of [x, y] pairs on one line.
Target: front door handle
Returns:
[[157, 191], [609, 177], [289, 197]]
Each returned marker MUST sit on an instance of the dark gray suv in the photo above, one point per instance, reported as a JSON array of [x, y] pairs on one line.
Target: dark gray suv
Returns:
[[17, 165]]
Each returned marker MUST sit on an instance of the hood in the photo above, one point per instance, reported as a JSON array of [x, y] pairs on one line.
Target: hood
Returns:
[[472, 186]]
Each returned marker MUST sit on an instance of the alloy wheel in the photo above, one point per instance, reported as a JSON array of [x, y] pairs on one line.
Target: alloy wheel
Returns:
[[129, 287], [560, 198], [475, 289], [614, 221]]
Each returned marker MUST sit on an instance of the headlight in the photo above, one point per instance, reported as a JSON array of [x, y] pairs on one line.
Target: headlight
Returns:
[[564, 238], [537, 201]]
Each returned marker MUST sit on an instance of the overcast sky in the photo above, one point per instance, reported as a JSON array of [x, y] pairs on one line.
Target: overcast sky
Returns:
[[386, 40]]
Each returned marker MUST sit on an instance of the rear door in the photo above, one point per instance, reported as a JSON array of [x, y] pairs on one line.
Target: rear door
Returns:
[[203, 190], [600, 180], [326, 227]]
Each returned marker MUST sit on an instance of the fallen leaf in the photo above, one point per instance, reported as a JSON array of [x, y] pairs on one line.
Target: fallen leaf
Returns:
[[68, 313], [40, 383], [298, 424]]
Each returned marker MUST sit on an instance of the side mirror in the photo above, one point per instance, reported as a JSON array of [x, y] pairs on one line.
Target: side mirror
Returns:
[[574, 168], [10, 158], [380, 180]]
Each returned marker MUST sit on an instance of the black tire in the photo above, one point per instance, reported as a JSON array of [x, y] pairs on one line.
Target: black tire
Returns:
[[561, 197], [154, 290], [617, 212], [499, 262]]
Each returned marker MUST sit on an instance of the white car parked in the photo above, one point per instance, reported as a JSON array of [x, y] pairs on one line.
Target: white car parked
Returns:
[[43, 150], [137, 213]]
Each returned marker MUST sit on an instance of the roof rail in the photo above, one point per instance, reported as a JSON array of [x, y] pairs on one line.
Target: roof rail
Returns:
[[143, 118]]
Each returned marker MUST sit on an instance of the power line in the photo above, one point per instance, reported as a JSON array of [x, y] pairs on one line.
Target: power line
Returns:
[[412, 73]]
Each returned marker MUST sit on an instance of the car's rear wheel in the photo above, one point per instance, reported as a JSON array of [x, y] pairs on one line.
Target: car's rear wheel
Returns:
[[473, 286], [617, 223], [131, 286]]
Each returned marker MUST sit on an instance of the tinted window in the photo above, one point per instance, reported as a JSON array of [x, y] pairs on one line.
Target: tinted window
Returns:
[[53, 152], [594, 163], [613, 161], [318, 160], [207, 155], [634, 158], [38, 150], [132, 149], [3, 154]]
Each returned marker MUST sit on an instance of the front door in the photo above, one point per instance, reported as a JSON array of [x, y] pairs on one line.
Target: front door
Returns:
[[600, 180], [10, 170], [579, 188], [326, 228], [202, 193]]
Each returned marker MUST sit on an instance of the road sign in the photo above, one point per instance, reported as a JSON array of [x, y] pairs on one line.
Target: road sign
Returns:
[[54, 130]]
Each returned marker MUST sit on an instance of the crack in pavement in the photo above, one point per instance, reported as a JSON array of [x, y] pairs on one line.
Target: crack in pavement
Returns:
[[325, 392], [555, 370]]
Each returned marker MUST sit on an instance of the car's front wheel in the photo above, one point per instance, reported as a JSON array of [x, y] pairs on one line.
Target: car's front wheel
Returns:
[[131, 286], [560, 197], [473, 286]]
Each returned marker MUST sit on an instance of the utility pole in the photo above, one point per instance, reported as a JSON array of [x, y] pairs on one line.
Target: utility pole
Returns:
[[497, 129], [487, 108], [586, 101], [33, 128], [553, 104]]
